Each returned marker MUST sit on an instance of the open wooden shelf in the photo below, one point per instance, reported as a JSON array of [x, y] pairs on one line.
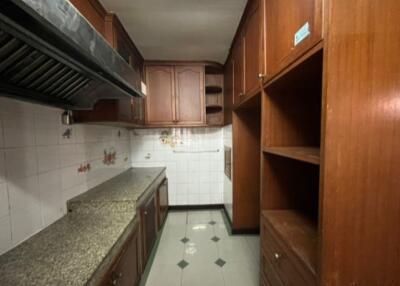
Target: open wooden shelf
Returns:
[[305, 154], [211, 89], [298, 232], [213, 108]]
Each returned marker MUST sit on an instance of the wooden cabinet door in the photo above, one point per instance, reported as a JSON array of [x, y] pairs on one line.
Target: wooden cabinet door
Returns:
[[138, 110], [238, 59], [283, 20], [228, 91], [160, 100], [162, 202], [189, 88], [94, 13], [126, 271], [252, 45], [149, 226]]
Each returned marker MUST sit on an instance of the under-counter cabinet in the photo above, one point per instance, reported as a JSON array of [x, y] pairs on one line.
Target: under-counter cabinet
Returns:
[[126, 270], [162, 202], [148, 217], [292, 28], [175, 95]]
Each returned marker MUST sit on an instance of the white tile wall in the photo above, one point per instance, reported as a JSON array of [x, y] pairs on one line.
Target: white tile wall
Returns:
[[39, 168], [228, 187], [194, 178]]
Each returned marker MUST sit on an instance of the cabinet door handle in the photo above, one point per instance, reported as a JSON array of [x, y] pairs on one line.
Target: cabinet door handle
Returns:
[[261, 75], [241, 94], [145, 213], [277, 256]]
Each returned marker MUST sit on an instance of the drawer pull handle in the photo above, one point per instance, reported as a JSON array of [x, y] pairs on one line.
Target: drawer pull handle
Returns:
[[145, 213], [277, 256]]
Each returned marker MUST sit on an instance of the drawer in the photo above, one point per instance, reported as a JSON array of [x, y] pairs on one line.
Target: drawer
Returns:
[[281, 260], [268, 275]]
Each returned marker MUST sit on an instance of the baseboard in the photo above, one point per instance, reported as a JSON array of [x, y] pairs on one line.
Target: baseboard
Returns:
[[232, 230], [195, 207]]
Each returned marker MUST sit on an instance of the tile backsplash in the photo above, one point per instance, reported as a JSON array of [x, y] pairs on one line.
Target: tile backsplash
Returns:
[[39, 166], [194, 158]]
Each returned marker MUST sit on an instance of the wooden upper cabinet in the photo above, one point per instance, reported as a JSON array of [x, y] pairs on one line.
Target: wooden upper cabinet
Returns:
[[238, 59], [292, 28], [175, 95], [93, 11], [228, 90], [252, 45], [160, 100], [189, 89]]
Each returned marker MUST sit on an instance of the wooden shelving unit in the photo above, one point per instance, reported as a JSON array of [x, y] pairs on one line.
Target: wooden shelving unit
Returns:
[[214, 90], [305, 154], [291, 161]]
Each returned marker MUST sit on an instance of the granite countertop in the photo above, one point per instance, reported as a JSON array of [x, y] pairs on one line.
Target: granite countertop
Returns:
[[124, 189], [79, 247]]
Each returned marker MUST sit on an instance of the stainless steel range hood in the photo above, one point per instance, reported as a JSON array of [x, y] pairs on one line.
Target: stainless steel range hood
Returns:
[[50, 54]]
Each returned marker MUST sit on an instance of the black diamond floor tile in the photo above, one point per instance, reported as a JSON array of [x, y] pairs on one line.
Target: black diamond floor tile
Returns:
[[185, 239], [215, 239], [182, 264], [220, 262]]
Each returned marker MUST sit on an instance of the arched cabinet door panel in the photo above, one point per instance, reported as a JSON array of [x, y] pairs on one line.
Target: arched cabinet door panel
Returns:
[[189, 85], [160, 100]]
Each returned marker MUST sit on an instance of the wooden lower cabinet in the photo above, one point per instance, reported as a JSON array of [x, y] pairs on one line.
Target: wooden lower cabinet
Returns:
[[288, 255], [130, 263], [126, 271], [148, 217], [162, 202]]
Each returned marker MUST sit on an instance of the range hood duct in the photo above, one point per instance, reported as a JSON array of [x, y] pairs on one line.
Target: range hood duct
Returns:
[[51, 55]]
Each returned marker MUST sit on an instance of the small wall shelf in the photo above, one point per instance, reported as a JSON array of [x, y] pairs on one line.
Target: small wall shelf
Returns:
[[213, 89], [212, 108], [214, 99]]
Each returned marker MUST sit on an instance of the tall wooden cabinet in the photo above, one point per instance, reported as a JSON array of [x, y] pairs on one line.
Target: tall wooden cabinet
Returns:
[[175, 95], [329, 187], [252, 51], [238, 72]]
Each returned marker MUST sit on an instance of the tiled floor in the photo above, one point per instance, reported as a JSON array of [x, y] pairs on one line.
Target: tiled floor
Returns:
[[195, 249]]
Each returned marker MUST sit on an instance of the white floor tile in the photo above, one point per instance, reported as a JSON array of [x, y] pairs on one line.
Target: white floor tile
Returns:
[[173, 233], [240, 274], [169, 253], [254, 243], [240, 253], [195, 217], [205, 252], [221, 231], [235, 249], [176, 218], [199, 232], [202, 275], [164, 275], [217, 216]]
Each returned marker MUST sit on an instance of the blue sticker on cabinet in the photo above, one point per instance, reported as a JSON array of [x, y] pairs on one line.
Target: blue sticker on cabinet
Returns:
[[301, 34]]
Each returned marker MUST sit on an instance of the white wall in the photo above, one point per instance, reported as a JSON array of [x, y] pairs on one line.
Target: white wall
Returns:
[[228, 189], [39, 168], [194, 178]]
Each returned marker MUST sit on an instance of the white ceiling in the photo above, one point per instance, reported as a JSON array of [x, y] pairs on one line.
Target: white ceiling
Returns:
[[180, 29]]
